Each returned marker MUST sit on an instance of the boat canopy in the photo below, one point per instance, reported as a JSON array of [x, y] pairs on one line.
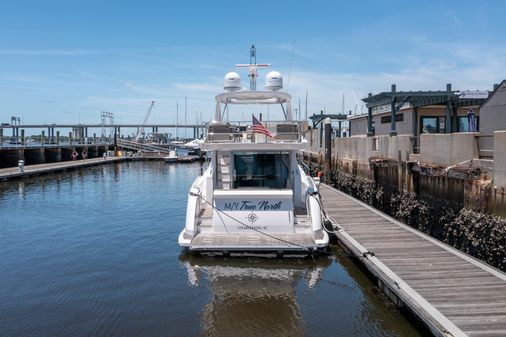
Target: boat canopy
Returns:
[[254, 97]]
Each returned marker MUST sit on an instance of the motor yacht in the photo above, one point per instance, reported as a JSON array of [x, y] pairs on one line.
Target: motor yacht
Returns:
[[254, 197]]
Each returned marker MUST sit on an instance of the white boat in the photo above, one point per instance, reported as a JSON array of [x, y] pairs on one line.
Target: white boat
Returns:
[[254, 197], [172, 157], [194, 144]]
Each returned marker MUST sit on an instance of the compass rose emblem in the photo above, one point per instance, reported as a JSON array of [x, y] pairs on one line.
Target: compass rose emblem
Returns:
[[252, 217]]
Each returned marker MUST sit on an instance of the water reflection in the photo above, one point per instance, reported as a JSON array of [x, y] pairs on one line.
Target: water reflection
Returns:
[[252, 297]]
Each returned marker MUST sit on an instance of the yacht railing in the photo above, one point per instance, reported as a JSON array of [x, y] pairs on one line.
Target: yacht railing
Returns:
[[243, 133]]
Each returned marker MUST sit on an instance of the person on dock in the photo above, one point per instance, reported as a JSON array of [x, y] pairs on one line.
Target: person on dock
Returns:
[[84, 154], [74, 155]]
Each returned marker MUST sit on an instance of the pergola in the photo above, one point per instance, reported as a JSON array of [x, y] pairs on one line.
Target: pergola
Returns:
[[417, 99], [319, 118]]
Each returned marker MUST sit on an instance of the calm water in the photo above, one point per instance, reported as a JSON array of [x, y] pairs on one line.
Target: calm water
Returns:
[[94, 253]]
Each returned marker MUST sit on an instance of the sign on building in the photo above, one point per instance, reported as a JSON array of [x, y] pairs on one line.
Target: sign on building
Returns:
[[471, 94]]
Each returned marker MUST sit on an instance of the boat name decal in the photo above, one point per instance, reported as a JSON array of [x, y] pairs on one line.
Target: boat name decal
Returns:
[[248, 205]]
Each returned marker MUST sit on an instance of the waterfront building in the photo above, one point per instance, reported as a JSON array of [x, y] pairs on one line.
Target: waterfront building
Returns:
[[493, 116], [418, 112]]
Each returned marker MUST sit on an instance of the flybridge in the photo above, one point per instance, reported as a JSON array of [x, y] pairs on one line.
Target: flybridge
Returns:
[[253, 97], [236, 95], [284, 132]]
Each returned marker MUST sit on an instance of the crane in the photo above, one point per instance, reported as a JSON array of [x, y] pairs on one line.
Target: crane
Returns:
[[140, 129]]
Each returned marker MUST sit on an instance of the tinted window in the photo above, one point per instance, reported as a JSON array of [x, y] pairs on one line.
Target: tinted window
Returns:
[[267, 170]]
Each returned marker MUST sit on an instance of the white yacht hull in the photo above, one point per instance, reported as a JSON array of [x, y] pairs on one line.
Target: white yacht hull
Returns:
[[300, 244], [252, 221]]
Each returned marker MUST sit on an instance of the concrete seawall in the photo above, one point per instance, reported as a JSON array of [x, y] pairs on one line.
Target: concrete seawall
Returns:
[[443, 165], [10, 156]]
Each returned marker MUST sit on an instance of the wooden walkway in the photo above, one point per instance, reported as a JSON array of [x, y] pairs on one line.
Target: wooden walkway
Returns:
[[34, 170], [11, 173], [451, 292]]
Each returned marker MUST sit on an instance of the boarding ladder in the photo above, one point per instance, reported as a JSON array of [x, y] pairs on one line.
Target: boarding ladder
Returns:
[[223, 179]]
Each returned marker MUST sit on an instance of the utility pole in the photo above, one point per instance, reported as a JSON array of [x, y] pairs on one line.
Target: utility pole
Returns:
[[299, 111], [342, 105], [185, 124], [201, 123], [305, 113]]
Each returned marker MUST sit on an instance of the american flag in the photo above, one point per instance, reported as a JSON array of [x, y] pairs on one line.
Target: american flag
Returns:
[[259, 128]]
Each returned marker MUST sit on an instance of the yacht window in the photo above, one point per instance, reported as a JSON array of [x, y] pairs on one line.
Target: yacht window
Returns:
[[264, 170]]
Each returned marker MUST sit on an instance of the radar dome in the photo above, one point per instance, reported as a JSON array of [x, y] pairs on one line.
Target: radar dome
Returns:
[[274, 81], [232, 81]]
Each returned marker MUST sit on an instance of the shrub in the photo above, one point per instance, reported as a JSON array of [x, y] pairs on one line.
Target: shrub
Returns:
[[480, 235]]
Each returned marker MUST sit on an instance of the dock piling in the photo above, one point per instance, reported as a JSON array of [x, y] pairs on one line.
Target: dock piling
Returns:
[[328, 143]]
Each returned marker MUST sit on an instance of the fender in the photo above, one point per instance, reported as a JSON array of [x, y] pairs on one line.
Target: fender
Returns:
[[314, 212]]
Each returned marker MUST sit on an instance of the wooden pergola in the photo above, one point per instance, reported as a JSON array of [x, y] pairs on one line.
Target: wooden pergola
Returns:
[[417, 99]]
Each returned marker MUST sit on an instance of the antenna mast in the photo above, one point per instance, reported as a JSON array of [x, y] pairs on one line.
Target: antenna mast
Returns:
[[252, 68]]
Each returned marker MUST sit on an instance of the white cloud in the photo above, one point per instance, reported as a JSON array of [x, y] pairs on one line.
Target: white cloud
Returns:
[[423, 65], [48, 52], [475, 67], [454, 17], [208, 87]]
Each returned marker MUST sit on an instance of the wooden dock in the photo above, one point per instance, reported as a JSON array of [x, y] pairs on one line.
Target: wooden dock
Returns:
[[39, 169], [453, 293], [12, 173]]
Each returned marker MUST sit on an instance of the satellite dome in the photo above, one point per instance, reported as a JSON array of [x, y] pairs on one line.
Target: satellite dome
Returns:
[[232, 81], [274, 81]]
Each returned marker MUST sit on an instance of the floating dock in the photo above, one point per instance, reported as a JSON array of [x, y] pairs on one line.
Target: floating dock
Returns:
[[12, 173], [452, 293], [39, 169]]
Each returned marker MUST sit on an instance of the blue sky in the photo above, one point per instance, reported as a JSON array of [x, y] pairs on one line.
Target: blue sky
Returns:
[[65, 61]]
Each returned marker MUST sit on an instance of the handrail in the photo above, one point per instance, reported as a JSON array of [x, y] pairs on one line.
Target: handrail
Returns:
[[141, 146]]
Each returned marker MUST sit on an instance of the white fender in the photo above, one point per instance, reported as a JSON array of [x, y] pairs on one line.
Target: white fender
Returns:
[[191, 213], [315, 212]]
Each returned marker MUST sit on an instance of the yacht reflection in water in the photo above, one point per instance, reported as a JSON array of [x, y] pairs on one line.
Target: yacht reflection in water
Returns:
[[252, 297]]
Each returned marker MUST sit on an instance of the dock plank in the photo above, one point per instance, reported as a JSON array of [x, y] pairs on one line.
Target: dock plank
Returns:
[[453, 293]]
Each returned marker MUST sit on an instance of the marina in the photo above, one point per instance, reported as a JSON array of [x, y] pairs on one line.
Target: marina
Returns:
[[254, 198], [93, 251], [348, 181], [419, 281]]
